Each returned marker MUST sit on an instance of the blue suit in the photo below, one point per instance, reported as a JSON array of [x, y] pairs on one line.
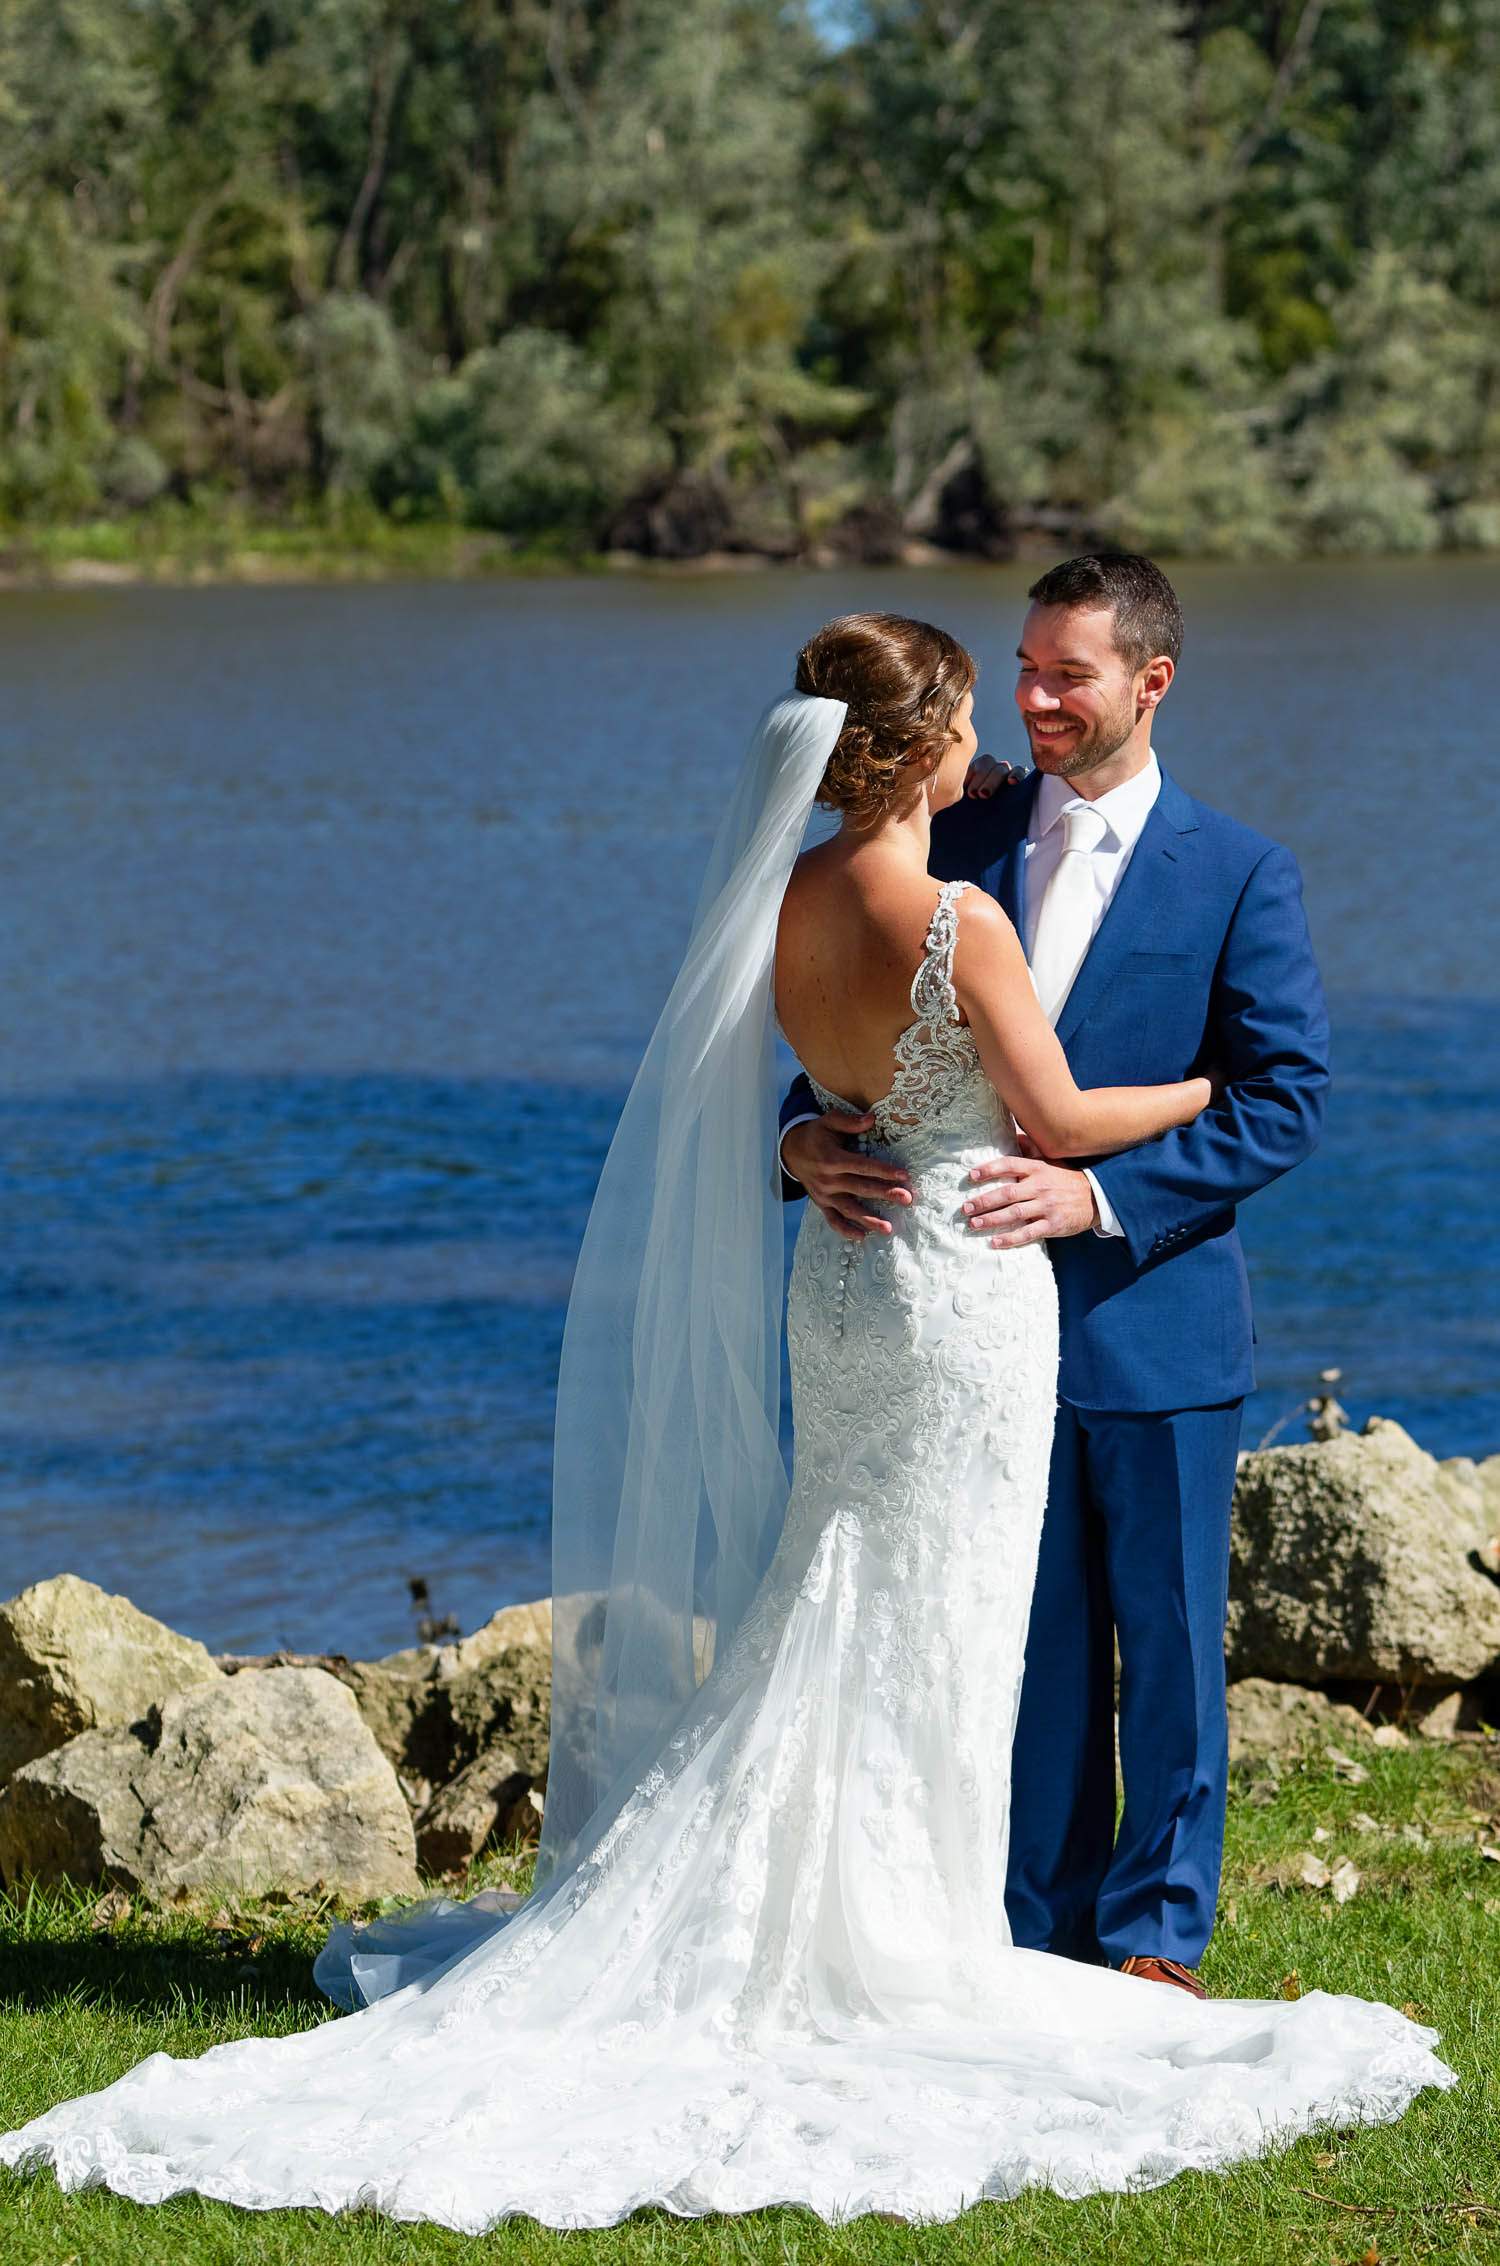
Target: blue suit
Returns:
[[1201, 960]]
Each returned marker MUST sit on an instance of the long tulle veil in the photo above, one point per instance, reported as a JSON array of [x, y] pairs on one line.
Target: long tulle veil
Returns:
[[669, 1486]]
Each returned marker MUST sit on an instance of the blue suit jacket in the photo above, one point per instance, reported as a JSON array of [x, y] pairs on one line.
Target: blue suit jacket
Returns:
[[1202, 960]]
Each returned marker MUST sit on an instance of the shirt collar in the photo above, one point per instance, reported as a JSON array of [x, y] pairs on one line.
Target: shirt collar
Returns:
[[1125, 809]]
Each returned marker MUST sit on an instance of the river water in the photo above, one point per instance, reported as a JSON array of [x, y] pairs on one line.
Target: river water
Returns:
[[334, 922]]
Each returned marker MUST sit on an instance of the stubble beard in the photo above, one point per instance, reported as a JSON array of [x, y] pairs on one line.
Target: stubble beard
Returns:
[[1099, 745]]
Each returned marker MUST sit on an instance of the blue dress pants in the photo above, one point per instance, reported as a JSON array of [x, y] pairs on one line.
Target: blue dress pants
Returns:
[[1135, 1542]]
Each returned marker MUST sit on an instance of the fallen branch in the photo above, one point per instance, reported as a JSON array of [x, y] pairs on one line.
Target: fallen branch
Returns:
[[1476, 2210]]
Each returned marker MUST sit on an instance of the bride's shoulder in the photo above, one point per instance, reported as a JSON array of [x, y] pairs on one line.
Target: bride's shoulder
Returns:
[[985, 933], [977, 912]]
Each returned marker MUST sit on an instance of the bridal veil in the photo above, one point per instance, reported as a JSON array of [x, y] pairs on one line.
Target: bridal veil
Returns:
[[669, 1485]]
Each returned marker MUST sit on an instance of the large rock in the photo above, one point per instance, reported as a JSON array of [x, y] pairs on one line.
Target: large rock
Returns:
[[1361, 1558], [434, 1710], [1481, 1480], [486, 1802], [267, 1779], [529, 1624], [73, 1658], [1287, 1719]]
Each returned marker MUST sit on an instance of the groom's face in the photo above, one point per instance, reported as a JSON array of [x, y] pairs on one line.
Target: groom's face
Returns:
[[1075, 691]]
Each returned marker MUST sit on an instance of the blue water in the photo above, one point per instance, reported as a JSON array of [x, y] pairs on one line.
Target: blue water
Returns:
[[322, 992]]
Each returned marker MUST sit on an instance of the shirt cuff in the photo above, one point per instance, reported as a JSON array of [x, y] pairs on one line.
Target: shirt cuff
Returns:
[[1107, 1224], [808, 1117]]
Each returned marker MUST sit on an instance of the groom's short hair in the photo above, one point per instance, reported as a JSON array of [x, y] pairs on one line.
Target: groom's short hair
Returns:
[[1147, 615]]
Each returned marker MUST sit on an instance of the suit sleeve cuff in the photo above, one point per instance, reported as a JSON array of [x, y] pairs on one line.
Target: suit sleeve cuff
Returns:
[[808, 1117], [1106, 1224]]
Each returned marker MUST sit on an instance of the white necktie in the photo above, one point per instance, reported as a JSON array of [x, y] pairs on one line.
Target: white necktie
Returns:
[[1065, 923]]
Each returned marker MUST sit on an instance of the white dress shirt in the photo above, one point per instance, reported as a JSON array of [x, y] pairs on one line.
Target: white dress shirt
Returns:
[[1125, 810]]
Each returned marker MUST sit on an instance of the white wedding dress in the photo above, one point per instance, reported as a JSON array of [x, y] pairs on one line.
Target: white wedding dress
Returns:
[[783, 1975]]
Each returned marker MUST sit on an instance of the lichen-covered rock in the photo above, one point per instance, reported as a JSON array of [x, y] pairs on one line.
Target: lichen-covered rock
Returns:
[[1481, 1483], [477, 1807], [431, 1716], [266, 1779], [504, 1701], [1362, 1558], [528, 1624], [73, 1658], [1284, 1719], [434, 1709]]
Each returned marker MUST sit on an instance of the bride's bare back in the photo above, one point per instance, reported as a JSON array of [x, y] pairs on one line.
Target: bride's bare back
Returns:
[[852, 933]]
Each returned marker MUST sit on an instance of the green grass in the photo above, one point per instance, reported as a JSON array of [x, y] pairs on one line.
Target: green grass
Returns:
[[85, 1993]]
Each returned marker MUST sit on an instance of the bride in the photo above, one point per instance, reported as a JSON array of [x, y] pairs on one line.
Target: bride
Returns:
[[766, 1959]]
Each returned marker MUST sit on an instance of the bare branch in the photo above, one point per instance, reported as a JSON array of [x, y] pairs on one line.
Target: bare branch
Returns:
[[1299, 47]]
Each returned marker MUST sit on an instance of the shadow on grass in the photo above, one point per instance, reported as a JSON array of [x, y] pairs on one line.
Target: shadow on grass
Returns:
[[129, 1974]]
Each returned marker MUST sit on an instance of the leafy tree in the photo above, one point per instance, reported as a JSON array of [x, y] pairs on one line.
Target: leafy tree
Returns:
[[1217, 275]]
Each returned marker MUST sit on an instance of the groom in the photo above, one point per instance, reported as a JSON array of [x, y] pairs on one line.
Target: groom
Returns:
[[1164, 939]]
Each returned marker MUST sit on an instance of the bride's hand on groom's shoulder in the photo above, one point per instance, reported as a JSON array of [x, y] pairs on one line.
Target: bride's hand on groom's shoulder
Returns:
[[988, 773]]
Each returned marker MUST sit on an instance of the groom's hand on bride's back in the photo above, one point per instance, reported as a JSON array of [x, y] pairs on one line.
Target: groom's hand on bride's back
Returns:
[[838, 1179]]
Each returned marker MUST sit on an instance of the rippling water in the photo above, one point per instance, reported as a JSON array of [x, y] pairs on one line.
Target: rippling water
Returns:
[[335, 920]]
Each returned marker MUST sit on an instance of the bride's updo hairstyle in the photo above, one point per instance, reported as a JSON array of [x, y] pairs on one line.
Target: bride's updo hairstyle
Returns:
[[901, 681]]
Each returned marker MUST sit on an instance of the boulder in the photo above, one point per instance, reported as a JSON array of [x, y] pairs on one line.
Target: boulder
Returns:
[[1361, 1557], [479, 1806], [1481, 1481], [529, 1624], [266, 1779], [73, 1658], [1286, 1719], [432, 1711], [504, 1701]]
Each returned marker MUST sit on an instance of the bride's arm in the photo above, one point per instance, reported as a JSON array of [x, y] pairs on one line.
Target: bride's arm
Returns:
[[1025, 1063]]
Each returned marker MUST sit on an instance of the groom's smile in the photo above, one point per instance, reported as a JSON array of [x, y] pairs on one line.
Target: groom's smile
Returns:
[[1083, 707]]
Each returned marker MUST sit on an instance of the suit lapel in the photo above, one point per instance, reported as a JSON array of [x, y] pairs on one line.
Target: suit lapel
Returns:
[[1140, 906], [1003, 872]]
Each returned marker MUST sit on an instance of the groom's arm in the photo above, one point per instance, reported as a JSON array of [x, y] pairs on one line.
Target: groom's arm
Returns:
[[1268, 1040], [799, 1107], [830, 1168]]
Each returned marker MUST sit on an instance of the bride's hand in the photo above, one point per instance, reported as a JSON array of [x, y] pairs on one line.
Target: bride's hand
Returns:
[[986, 773], [838, 1179]]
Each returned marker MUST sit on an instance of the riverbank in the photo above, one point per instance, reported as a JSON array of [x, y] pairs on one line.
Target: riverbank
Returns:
[[183, 548], [193, 549], [186, 549]]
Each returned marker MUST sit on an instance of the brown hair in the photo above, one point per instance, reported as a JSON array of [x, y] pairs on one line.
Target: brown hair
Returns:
[[901, 681], [1147, 614]]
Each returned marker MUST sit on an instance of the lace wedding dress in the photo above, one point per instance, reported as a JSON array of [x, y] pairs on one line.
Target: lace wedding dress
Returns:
[[783, 1974]]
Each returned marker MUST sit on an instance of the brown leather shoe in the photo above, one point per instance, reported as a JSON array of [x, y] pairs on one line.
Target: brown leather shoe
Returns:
[[1163, 1971]]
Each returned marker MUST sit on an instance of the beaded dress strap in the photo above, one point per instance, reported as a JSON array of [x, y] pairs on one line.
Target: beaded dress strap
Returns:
[[933, 998]]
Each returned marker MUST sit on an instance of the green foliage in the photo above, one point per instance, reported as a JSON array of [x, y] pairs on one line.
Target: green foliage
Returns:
[[1216, 279], [523, 437], [357, 388]]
